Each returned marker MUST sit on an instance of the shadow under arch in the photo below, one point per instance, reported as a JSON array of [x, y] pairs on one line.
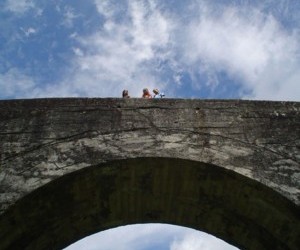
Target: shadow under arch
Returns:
[[202, 196]]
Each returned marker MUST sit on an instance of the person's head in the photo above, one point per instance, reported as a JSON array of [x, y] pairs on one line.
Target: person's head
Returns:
[[155, 91], [125, 93], [146, 93]]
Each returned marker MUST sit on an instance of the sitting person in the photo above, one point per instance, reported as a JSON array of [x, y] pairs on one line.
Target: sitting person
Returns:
[[146, 93], [157, 94], [125, 93]]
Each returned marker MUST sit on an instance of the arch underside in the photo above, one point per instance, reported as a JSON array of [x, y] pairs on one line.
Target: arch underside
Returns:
[[205, 197]]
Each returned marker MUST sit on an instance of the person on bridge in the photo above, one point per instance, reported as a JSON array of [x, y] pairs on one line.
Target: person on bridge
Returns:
[[157, 94], [146, 93], [125, 94]]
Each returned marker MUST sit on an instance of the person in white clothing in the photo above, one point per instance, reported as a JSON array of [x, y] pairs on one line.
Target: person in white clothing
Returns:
[[157, 94]]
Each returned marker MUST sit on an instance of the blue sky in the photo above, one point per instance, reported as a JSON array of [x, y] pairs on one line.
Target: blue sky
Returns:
[[247, 49]]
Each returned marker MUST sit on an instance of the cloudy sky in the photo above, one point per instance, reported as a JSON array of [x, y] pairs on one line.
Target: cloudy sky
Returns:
[[246, 49], [228, 49], [151, 237]]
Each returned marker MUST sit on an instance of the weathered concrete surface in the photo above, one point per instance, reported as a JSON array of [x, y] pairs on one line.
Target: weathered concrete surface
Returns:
[[44, 139]]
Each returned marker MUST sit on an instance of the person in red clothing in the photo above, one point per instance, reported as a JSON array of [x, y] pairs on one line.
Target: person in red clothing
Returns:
[[146, 93]]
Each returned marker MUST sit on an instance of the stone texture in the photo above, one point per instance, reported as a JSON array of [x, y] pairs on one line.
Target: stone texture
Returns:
[[44, 139]]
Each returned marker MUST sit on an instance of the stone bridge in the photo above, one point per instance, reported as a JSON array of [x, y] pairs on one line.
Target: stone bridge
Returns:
[[73, 167]]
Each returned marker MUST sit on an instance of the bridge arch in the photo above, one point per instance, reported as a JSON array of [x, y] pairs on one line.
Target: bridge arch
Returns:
[[237, 209]]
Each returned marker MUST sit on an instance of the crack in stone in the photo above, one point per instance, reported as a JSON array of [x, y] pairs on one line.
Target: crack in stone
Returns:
[[245, 134], [54, 142]]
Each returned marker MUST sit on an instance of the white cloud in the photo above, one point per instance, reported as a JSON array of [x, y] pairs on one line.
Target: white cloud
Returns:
[[122, 54], [249, 46], [149, 236], [14, 83], [193, 240], [69, 16], [29, 31], [128, 237], [77, 51], [146, 44], [18, 6], [106, 8]]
